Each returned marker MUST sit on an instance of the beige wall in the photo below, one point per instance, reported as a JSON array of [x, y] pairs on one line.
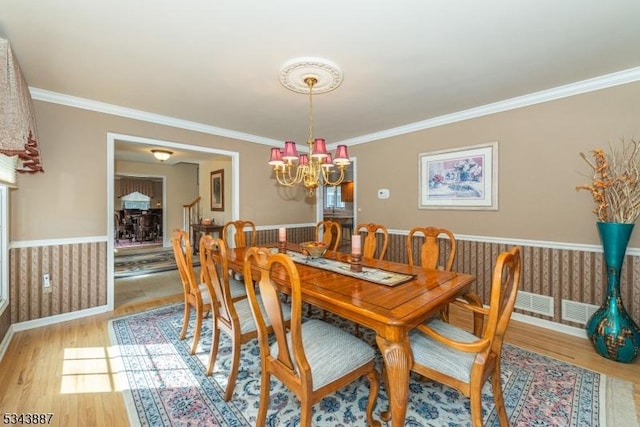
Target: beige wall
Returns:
[[224, 163], [69, 200], [539, 168]]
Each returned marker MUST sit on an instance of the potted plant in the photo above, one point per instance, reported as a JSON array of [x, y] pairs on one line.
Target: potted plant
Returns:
[[615, 189]]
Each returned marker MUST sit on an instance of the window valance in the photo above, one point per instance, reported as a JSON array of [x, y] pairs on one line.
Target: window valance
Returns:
[[126, 186], [18, 135]]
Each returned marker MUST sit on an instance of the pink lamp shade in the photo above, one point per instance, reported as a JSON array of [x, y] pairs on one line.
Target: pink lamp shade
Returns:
[[276, 157], [304, 160], [327, 162], [290, 151], [319, 149], [342, 155]]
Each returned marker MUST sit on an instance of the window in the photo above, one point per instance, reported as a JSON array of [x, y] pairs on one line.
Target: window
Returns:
[[136, 200], [333, 197]]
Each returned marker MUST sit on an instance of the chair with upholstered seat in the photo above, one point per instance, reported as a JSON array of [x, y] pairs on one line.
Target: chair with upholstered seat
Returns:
[[459, 359], [147, 228], [231, 315], [312, 359], [370, 245], [331, 233], [196, 295], [239, 234], [121, 228]]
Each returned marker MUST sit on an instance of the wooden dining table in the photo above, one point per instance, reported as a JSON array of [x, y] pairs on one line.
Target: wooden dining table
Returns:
[[391, 311]]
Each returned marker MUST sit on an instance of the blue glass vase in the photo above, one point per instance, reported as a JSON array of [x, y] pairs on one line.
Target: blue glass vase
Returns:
[[612, 331]]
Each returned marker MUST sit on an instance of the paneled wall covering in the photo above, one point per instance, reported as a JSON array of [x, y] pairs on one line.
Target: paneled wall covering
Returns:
[[78, 274], [573, 275]]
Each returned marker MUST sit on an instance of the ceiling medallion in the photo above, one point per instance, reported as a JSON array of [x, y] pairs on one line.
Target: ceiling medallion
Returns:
[[294, 73], [313, 168]]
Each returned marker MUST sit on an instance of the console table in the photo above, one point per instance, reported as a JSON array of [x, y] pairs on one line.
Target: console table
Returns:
[[200, 230]]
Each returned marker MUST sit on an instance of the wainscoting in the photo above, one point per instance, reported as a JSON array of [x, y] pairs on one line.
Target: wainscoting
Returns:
[[78, 276], [79, 273], [562, 274]]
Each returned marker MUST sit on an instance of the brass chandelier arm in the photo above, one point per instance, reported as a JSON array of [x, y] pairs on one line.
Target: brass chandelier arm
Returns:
[[327, 181]]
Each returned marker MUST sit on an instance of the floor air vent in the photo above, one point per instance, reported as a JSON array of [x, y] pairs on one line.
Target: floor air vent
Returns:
[[578, 312], [540, 304]]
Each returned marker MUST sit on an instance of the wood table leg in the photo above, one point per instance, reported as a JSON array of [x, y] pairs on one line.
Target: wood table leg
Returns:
[[397, 365]]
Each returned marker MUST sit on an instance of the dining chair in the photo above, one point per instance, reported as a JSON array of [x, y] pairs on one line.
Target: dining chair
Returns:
[[430, 252], [231, 314], [241, 232], [313, 359], [331, 232], [370, 244], [121, 229], [147, 228], [452, 356], [430, 248], [196, 294]]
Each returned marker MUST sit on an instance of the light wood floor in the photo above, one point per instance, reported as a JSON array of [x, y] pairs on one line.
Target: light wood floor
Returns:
[[64, 369]]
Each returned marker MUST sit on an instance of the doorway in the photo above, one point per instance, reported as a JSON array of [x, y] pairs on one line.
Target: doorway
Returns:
[[339, 203], [139, 212], [140, 149]]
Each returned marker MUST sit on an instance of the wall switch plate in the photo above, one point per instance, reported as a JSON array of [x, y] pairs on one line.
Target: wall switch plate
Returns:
[[383, 193], [46, 282]]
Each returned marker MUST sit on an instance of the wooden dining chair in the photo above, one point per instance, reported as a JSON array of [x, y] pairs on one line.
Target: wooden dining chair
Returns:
[[430, 252], [464, 361], [331, 232], [241, 233], [370, 245], [196, 294], [430, 248], [231, 314], [313, 359]]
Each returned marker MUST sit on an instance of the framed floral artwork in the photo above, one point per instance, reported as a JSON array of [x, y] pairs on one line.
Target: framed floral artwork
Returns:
[[217, 190], [461, 178]]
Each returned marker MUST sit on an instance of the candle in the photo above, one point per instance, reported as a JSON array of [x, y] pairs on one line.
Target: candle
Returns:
[[355, 244], [282, 234]]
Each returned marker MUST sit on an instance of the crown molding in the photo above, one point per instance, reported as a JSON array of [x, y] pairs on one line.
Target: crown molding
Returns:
[[130, 113], [602, 82]]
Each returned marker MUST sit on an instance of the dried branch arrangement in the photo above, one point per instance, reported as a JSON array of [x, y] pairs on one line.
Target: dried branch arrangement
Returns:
[[616, 182]]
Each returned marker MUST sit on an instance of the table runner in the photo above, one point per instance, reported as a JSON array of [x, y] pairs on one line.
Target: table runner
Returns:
[[374, 275]]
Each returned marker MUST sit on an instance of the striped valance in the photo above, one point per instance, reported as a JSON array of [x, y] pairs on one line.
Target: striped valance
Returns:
[[18, 136]]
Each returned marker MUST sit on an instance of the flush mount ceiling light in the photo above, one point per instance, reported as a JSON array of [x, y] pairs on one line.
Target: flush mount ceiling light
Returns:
[[162, 155], [309, 75]]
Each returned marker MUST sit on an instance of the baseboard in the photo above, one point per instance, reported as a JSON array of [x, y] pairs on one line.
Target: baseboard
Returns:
[[547, 324], [50, 320], [4, 345]]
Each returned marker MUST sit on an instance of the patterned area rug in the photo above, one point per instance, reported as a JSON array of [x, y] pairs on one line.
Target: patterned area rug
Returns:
[[164, 386], [134, 263]]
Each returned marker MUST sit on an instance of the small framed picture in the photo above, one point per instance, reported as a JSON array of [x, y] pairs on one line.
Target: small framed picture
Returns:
[[217, 190], [462, 178]]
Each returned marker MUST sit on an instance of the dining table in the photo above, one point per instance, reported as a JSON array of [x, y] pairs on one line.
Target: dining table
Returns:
[[388, 297]]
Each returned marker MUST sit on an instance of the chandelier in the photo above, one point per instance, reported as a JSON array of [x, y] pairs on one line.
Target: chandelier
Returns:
[[315, 168]]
